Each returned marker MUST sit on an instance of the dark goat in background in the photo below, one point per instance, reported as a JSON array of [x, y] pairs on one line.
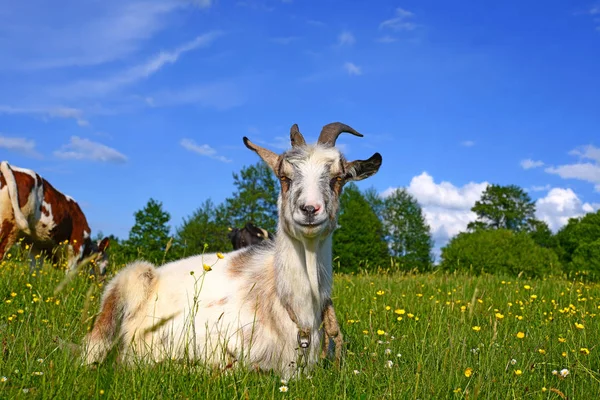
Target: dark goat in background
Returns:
[[248, 235]]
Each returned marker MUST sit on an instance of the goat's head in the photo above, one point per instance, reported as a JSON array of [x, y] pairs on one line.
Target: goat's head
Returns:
[[312, 178]]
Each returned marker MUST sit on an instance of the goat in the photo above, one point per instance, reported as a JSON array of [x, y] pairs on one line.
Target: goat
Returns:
[[261, 306], [247, 236]]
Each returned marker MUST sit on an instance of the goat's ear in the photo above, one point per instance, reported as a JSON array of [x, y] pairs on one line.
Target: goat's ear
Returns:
[[268, 156], [362, 169]]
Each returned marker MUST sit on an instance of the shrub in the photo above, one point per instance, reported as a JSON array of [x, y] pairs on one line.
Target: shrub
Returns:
[[499, 251]]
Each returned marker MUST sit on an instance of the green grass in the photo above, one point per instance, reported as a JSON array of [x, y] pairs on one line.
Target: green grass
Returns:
[[430, 349]]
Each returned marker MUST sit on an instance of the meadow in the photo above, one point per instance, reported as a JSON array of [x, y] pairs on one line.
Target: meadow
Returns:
[[423, 336]]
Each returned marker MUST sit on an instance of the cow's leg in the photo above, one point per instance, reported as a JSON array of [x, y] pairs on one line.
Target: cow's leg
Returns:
[[8, 236], [332, 331]]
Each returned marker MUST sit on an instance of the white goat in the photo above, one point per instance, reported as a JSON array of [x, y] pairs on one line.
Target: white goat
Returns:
[[261, 306]]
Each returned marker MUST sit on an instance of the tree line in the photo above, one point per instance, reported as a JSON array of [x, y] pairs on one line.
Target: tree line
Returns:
[[377, 233]]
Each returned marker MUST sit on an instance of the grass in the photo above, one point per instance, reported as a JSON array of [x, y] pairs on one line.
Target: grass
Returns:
[[408, 337]]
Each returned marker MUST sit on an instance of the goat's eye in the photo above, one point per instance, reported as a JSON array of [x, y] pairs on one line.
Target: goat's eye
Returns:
[[284, 178], [336, 180]]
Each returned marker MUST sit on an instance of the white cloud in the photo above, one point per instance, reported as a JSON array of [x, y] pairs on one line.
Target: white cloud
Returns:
[[52, 112], [588, 152], [202, 149], [447, 208], [529, 163], [468, 143], [19, 145], [101, 87], [90, 33], [346, 38], [583, 171], [85, 149], [352, 69], [559, 205], [401, 22]]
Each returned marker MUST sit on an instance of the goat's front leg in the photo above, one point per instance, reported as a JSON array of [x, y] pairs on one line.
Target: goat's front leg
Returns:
[[332, 331]]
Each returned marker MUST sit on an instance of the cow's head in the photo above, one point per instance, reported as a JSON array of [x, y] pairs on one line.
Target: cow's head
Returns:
[[247, 236], [99, 255]]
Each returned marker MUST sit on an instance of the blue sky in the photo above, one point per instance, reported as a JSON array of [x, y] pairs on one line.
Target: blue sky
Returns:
[[115, 102]]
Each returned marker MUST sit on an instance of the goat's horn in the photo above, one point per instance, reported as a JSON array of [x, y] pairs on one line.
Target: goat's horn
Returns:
[[330, 133], [296, 137]]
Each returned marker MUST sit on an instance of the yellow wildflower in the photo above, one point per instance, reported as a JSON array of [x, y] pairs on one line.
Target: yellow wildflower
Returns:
[[499, 315], [518, 372], [584, 351], [207, 267], [562, 340], [520, 335], [476, 328], [380, 293], [380, 332], [468, 372], [579, 326], [220, 256]]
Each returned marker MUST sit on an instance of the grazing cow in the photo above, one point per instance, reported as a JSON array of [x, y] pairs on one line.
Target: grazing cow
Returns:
[[248, 235], [31, 209]]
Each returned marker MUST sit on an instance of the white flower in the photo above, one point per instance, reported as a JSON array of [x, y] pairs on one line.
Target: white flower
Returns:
[[388, 351], [356, 372], [564, 372], [398, 355], [554, 372], [284, 382], [513, 361], [283, 389], [3, 379], [40, 360], [389, 363]]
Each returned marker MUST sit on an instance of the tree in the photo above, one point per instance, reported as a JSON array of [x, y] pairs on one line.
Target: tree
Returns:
[[407, 231], [375, 201], [207, 225], [541, 234], [359, 241], [149, 236], [503, 207], [498, 251], [255, 199], [578, 232]]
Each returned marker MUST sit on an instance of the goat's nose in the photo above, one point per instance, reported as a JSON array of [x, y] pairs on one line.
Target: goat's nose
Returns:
[[310, 209]]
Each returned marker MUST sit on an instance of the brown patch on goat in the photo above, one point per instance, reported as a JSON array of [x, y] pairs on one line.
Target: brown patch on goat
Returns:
[[262, 296], [238, 264], [106, 322], [220, 302], [332, 331]]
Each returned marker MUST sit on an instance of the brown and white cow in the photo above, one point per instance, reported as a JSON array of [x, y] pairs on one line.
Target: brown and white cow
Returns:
[[31, 209]]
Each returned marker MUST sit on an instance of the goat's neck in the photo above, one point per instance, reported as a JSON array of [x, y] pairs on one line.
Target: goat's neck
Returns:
[[304, 275]]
